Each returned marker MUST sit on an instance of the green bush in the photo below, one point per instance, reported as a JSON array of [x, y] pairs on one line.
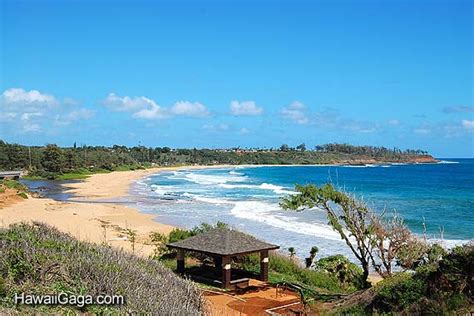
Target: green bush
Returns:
[[283, 269], [347, 273], [23, 195], [399, 292], [13, 184], [178, 234]]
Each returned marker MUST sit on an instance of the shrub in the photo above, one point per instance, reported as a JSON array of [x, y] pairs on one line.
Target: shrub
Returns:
[[38, 259], [399, 292], [346, 272], [283, 269], [23, 195], [13, 184], [178, 234]]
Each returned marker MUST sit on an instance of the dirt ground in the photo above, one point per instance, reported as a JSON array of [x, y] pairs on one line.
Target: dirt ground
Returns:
[[256, 301], [9, 197]]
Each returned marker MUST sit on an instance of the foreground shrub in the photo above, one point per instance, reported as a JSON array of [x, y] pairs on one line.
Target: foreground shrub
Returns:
[[348, 273], [399, 292], [442, 285], [38, 259], [284, 269]]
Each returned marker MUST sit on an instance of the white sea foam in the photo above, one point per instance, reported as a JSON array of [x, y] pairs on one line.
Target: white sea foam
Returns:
[[159, 189], [206, 179], [448, 243], [354, 166], [264, 186], [271, 214], [447, 162], [275, 188], [210, 200]]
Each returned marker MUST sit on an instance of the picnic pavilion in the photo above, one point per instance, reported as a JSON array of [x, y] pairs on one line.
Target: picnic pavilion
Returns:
[[223, 244]]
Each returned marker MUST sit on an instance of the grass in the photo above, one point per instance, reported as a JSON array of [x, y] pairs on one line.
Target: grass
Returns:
[[282, 269], [38, 259], [33, 177], [21, 190], [73, 176], [13, 184]]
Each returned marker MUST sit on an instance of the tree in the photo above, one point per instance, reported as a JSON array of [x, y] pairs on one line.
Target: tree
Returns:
[[346, 214], [52, 160], [284, 147], [301, 147], [390, 239], [312, 255]]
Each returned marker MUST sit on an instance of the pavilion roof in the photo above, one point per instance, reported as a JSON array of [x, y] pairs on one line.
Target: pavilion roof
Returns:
[[224, 242]]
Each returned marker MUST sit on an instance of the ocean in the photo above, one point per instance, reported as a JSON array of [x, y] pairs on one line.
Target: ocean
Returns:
[[440, 195]]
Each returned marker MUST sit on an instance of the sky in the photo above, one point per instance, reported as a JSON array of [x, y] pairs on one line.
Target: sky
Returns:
[[214, 74]]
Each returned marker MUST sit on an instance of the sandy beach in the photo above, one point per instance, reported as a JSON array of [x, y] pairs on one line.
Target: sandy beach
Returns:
[[93, 222]]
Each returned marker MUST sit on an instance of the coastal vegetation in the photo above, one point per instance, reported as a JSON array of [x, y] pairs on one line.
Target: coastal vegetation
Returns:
[[326, 278], [431, 279], [14, 188], [428, 276], [39, 260], [77, 162]]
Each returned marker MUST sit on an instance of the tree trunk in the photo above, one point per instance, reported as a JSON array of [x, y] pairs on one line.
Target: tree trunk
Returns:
[[365, 275]]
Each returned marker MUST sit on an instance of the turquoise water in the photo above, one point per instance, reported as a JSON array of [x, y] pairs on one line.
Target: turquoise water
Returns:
[[247, 198]]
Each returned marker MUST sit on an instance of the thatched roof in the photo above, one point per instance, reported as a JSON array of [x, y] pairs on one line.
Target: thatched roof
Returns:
[[224, 242]]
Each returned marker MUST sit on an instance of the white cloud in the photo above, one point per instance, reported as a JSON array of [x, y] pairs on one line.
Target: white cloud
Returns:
[[80, 114], [153, 112], [248, 108], [33, 111], [31, 128], [18, 96], [296, 112], [28, 116], [146, 108], [7, 116], [468, 124], [187, 108], [127, 104]]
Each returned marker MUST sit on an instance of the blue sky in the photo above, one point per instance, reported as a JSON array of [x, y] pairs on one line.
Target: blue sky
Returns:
[[239, 73]]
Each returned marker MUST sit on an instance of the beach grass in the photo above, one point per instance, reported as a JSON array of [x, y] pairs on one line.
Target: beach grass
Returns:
[[41, 260]]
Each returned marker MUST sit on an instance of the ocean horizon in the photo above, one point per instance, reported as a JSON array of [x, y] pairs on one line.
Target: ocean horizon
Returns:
[[440, 196]]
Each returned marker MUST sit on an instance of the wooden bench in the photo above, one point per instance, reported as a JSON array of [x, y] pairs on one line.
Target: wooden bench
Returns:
[[239, 284]]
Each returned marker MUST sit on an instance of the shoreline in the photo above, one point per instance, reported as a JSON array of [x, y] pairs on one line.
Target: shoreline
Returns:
[[91, 220]]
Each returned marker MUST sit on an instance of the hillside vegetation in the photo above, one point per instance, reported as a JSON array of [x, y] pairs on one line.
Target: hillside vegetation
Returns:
[[38, 259], [52, 161]]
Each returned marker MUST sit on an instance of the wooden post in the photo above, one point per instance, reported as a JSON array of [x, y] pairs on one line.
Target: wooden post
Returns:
[[218, 263], [180, 261], [264, 265], [226, 272]]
